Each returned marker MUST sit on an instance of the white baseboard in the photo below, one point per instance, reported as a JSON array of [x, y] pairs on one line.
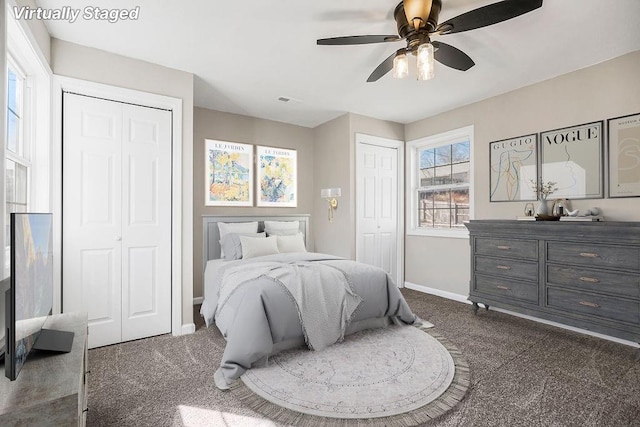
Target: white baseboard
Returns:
[[463, 298], [437, 292], [188, 328], [197, 300]]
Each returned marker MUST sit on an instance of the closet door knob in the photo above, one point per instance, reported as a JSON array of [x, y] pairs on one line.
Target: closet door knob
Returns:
[[118, 238]]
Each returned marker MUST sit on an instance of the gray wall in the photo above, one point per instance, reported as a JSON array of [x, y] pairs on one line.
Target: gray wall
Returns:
[[335, 166], [332, 168], [599, 92], [72, 60], [209, 124]]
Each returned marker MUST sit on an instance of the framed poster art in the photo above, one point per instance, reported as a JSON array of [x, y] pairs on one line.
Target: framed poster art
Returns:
[[229, 173], [277, 178], [572, 159], [513, 167], [624, 156]]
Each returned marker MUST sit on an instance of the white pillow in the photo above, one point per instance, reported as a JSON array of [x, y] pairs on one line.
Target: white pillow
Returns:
[[255, 246], [231, 246], [235, 227], [294, 243], [281, 228]]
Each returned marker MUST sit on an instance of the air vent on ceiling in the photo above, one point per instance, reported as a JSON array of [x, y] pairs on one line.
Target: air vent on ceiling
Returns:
[[287, 99]]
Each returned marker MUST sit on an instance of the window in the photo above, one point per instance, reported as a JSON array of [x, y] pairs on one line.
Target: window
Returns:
[[441, 190], [27, 138], [17, 163], [16, 151]]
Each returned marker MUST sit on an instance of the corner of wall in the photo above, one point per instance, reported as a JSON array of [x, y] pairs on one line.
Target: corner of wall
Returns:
[[37, 33]]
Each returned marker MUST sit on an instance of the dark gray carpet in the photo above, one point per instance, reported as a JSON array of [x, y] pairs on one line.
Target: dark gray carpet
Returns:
[[523, 374]]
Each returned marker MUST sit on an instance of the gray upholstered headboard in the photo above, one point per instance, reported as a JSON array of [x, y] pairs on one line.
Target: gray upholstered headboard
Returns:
[[211, 233]]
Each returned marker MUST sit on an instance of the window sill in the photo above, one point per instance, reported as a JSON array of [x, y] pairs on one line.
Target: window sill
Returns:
[[462, 233]]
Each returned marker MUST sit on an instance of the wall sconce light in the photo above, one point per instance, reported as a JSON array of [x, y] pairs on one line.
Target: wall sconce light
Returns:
[[331, 194]]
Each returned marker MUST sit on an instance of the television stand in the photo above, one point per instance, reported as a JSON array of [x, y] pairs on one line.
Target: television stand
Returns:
[[50, 390], [54, 341]]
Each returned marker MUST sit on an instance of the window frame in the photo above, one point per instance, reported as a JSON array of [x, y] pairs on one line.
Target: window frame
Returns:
[[413, 179]]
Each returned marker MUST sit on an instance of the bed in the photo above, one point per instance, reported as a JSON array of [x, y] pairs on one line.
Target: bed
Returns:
[[269, 303]]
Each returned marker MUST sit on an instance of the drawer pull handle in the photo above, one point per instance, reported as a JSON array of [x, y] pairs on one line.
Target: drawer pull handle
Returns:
[[589, 279], [503, 267], [589, 304], [588, 255], [504, 248], [504, 288]]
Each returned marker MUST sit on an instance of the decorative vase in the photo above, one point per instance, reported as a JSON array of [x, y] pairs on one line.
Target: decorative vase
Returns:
[[543, 208]]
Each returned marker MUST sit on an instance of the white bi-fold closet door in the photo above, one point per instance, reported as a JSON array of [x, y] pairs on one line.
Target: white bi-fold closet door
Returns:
[[116, 217], [377, 207]]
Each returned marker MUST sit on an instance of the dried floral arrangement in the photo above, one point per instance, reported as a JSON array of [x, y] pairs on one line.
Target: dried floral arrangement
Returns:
[[544, 189]]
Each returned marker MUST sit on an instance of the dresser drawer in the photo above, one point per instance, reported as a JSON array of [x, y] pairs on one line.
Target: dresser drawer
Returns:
[[616, 257], [594, 305], [505, 287], [590, 279], [507, 268], [527, 249]]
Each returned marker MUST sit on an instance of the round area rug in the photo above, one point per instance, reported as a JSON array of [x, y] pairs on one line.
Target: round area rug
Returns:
[[396, 375]]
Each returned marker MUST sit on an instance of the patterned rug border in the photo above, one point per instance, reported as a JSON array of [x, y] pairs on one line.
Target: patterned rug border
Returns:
[[454, 394]]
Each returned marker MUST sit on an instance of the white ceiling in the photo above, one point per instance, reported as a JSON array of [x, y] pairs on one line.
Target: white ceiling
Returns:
[[246, 54]]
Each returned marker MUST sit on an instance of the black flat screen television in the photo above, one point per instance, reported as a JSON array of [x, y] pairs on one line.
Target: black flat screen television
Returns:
[[29, 300]]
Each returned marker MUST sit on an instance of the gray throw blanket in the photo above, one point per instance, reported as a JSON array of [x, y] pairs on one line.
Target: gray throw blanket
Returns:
[[307, 284]]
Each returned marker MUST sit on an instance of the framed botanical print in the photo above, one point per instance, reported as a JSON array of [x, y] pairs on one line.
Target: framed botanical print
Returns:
[[572, 159], [624, 156], [513, 169], [277, 178], [228, 173]]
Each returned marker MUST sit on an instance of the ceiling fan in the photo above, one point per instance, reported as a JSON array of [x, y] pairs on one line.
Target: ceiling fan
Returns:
[[417, 22]]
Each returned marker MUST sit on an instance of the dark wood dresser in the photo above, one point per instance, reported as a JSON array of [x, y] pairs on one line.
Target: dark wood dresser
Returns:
[[582, 274]]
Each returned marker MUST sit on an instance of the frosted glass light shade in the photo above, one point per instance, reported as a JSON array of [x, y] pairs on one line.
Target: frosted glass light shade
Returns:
[[400, 66], [330, 193], [426, 62]]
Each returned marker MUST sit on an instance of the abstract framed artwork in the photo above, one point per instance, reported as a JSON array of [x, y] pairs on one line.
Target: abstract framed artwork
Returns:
[[572, 158], [229, 173], [513, 166], [624, 156], [277, 178]]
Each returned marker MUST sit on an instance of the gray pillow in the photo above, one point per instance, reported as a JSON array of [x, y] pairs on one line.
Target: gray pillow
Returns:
[[231, 246]]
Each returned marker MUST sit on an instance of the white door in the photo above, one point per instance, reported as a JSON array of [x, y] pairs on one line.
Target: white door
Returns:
[[116, 219], [377, 207]]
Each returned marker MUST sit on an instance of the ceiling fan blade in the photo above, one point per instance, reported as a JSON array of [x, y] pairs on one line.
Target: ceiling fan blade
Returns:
[[488, 15], [382, 69], [452, 56], [351, 40]]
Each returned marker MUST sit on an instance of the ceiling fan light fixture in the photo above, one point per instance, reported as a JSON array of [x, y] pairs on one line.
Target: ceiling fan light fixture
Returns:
[[417, 12], [426, 61], [400, 66]]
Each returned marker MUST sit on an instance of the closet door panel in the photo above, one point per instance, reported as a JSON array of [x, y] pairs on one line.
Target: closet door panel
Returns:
[[146, 222], [91, 220]]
